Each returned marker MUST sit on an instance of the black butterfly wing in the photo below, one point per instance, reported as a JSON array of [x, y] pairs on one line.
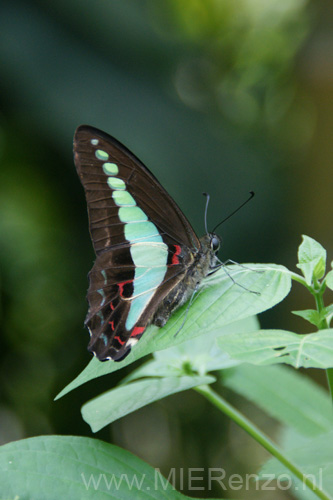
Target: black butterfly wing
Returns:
[[143, 242], [141, 183], [111, 296]]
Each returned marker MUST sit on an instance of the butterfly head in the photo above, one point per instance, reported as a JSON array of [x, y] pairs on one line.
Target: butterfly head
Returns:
[[215, 242], [210, 243]]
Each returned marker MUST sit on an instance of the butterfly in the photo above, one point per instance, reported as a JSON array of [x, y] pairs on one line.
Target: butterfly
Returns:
[[149, 261]]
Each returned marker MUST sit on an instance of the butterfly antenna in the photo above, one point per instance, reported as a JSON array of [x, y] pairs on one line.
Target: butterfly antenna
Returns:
[[232, 213], [206, 210]]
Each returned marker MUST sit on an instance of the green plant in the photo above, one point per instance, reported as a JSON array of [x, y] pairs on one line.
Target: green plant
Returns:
[[52, 467]]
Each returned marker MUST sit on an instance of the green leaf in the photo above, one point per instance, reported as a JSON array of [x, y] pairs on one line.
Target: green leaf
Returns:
[[312, 259], [311, 315], [202, 352], [285, 394], [77, 468], [315, 317], [314, 457], [329, 279], [219, 302], [265, 347], [199, 355], [125, 399]]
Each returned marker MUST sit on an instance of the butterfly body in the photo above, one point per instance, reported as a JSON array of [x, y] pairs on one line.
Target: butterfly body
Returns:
[[204, 263], [149, 260]]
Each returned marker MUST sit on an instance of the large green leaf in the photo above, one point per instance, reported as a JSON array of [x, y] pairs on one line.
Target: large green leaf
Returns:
[[77, 468], [200, 355], [173, 366], [219, 302], [285, 394], [313, 350], [125, 399]]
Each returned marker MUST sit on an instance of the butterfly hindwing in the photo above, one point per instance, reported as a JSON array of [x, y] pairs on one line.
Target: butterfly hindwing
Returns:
[[111, 295], [143, 242]]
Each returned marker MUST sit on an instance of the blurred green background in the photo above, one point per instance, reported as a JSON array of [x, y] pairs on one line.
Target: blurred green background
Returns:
[[213, 95]]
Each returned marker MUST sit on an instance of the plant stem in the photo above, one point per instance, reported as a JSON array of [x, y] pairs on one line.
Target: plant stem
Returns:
[[300, 279], [318, 296], [259, 436]]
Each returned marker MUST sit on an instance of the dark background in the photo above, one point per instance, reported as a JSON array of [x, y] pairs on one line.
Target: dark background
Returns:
[[224, 97]]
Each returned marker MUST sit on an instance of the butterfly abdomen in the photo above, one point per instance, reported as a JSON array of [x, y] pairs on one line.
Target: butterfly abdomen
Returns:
[[175, 299], [184, 289]]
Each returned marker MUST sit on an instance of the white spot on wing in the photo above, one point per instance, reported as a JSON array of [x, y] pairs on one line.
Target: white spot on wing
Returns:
[[132, 342]]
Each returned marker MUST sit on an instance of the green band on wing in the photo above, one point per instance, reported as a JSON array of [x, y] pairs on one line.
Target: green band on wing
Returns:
[[123, 198], [137, 307], [101, 155], [148, 251], [115, 183], [110, 168], [150, 257], [142, 231], [149, 280], [131, 214]]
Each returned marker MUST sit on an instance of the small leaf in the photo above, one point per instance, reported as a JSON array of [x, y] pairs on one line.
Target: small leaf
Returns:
[[315, 317], [219, 302], [310, 315], [125, 399], [329, 279], [266, 347], [312, 259], [327, 311], [77, 468]]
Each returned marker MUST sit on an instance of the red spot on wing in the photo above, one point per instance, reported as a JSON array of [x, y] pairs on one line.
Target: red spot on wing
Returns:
[[112, 325], [121, 286], [112, 306], [175, 259], [121, 342], [137, 330]]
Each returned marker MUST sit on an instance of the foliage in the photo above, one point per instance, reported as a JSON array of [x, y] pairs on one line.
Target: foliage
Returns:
[[47, 467]]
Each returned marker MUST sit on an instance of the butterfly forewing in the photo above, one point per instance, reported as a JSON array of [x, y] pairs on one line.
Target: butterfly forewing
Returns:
[[149, 195], [143, 242]]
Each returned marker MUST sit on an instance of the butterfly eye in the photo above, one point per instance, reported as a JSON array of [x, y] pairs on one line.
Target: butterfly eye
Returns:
[[215, 243]]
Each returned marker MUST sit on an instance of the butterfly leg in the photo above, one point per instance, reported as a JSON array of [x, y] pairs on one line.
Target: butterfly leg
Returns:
[[223, 265], [230, 261]]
